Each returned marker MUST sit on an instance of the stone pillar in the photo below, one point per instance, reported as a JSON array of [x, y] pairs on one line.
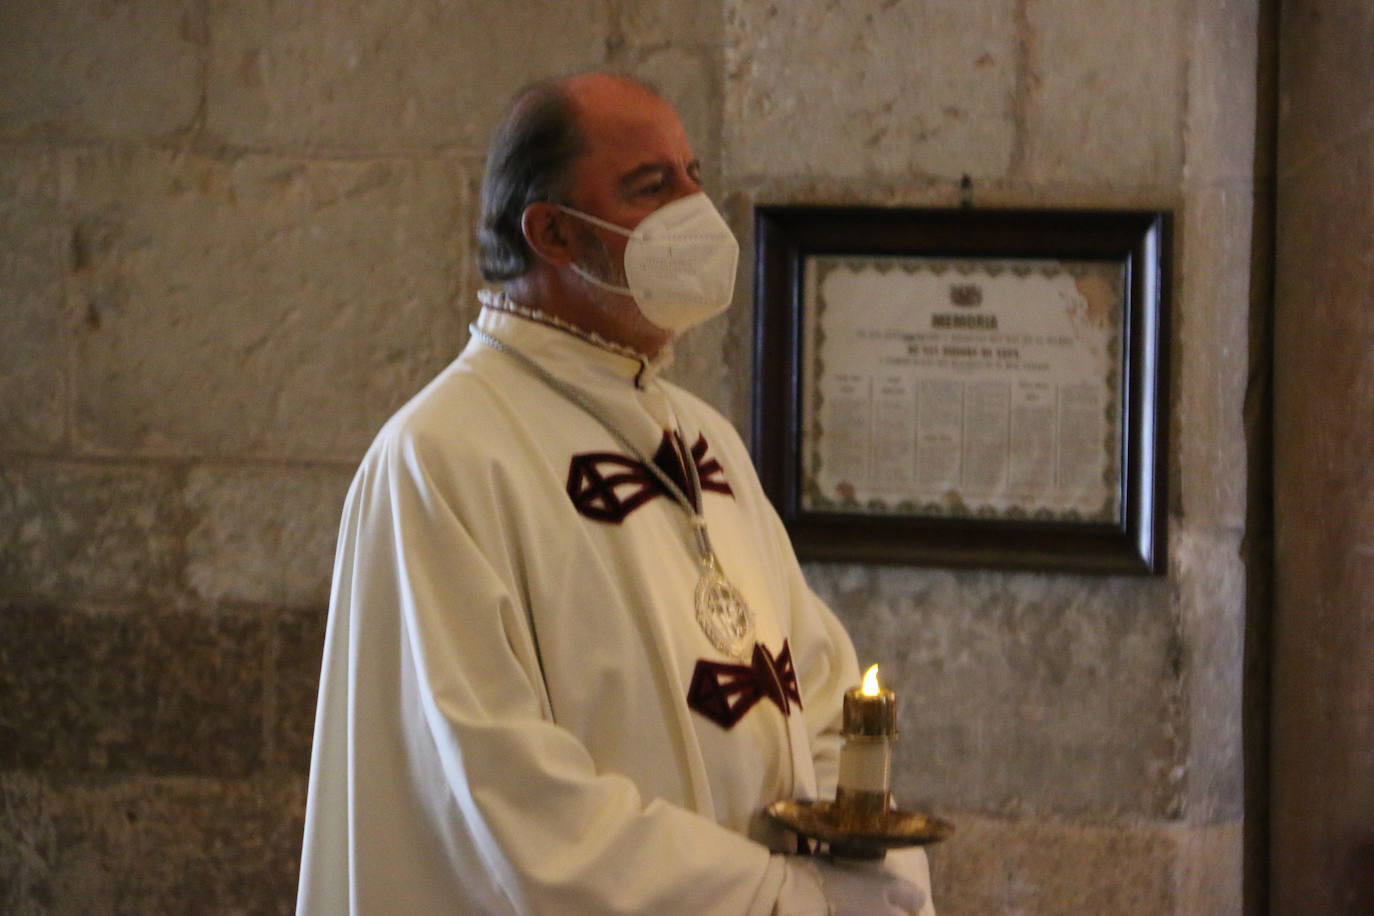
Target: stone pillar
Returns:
[[1322, 844]]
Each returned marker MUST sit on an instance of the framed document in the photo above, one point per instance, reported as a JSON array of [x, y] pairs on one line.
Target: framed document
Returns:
[[964, 387]]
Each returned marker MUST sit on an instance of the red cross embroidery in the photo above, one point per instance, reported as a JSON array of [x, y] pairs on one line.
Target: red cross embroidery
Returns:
[[723, 692], [607, 487]]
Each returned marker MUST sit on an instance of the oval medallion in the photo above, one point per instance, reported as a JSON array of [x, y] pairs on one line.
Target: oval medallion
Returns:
[[723, 616]]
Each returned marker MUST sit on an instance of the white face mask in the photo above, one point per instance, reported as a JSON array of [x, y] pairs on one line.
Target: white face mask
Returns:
[[679, 262]]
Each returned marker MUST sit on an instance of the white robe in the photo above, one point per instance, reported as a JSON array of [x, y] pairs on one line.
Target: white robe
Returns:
[[503, 722]]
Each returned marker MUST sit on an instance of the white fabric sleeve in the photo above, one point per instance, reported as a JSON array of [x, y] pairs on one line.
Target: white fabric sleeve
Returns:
[[558, 836]]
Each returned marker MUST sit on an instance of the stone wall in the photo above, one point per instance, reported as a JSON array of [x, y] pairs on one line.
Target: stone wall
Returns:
[[235, 236]]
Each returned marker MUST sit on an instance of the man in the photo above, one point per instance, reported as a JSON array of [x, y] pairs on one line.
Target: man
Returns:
[[570, 654]]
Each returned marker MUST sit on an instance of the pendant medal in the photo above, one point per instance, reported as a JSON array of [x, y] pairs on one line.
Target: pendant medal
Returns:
[[723, 615]]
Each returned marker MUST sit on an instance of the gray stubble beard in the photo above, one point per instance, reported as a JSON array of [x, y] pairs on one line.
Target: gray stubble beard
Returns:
[[616, 307]]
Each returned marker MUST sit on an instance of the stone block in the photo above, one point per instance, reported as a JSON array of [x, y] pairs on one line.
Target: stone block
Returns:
[[465, 304], [263, 535], [1014, 193], [258, 306], [147, 693], [297, 651], [72, 68], [1023, 693], [990, 866], [31, 343], [1212, 870], [360, 75], [1222, 87], [1103, 98], [733, 395], [147, 845], [684, 23], [89, 532], [1211, 334], [886, 90], [1210, 596]]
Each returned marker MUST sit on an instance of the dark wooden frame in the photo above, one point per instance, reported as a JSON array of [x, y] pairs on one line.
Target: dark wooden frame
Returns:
[[785, 236]]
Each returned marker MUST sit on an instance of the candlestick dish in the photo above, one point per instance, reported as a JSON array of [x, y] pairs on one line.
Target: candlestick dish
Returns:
[[854, 836]]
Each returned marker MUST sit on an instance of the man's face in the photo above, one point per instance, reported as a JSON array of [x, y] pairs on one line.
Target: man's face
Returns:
[[637, 159]]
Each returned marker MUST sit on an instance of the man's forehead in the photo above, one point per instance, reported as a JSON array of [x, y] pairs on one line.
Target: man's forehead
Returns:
[[629, 138], [645, 118]]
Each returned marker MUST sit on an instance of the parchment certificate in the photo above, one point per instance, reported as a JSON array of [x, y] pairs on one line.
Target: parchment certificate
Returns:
[[962, 387]]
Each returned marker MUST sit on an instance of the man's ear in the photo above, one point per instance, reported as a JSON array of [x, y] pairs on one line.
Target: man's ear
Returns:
[[545, 232]]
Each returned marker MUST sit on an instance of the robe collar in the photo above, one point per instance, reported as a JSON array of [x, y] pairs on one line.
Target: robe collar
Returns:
[[565, 351], [627, 390]]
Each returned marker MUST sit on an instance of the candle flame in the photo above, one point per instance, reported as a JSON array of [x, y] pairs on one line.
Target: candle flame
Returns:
[[870, 687]]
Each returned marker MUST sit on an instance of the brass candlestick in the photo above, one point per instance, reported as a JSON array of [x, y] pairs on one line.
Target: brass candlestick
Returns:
[[861, 822], [864, 793]]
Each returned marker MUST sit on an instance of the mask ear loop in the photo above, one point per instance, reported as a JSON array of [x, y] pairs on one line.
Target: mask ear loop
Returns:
[[586, 275], [597, 221]]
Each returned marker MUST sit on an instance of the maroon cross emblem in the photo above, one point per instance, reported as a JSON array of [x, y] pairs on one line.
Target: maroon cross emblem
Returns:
[[607, 487], [723, 692]]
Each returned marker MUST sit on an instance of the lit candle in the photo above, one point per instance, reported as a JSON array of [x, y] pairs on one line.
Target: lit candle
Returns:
[[870, 724]]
